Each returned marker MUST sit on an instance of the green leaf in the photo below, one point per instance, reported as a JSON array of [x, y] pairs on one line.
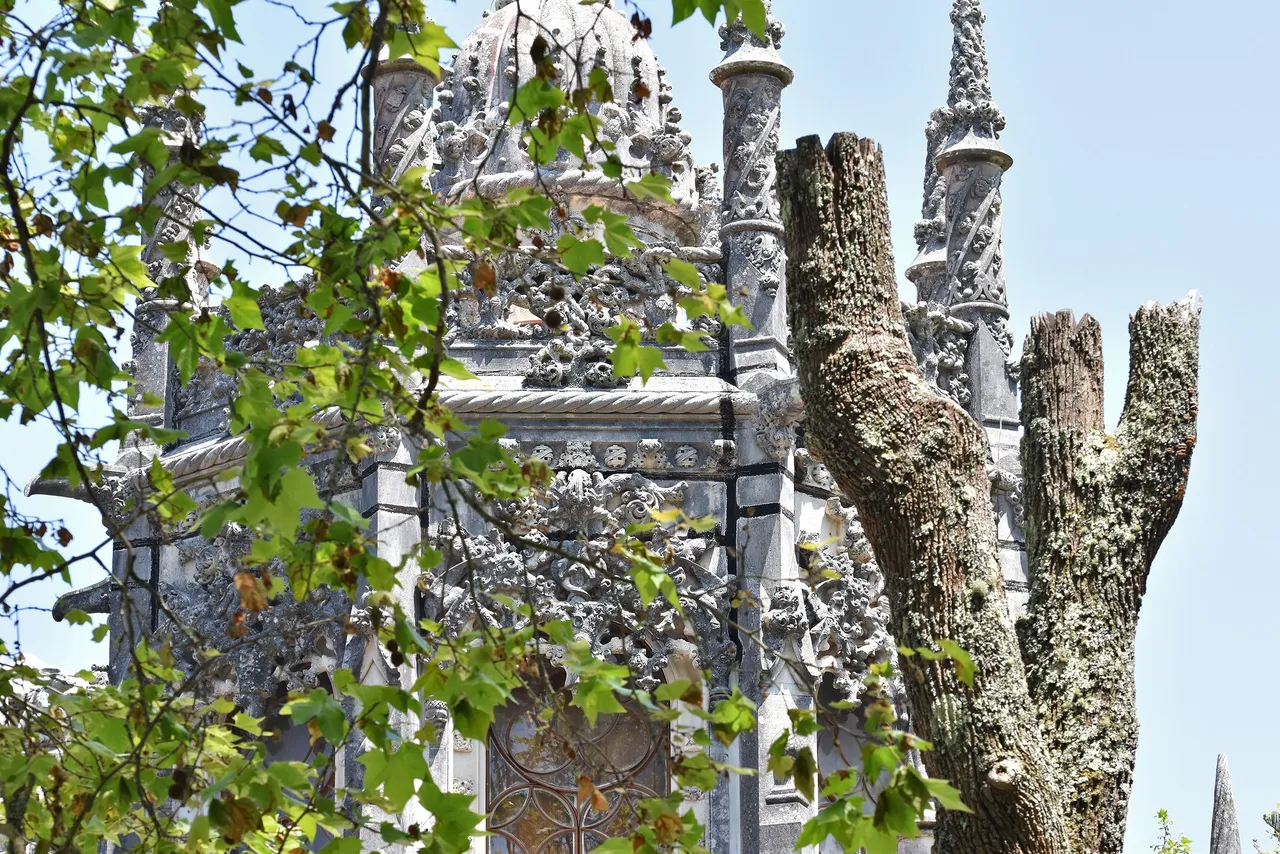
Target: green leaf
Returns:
[[651, 186], [965, 668], [266, 148], [398, 770], [947, 796], [730, 717], [76, 617], [320, 706], [243, 305], [684, 273], [806, 773], [755, 16], [629, 355], [423, 46], [578, 255], [223, 19]]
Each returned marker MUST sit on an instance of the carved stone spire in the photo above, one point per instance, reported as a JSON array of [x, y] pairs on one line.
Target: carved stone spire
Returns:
[[178, 206], [929, 270], [176, 210], [972, 164], [752, 76], [970, 108], [960, 267], [1224, 837], [402, 136]]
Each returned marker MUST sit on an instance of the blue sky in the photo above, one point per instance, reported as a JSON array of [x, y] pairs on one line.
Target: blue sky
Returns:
[[1142, 133]]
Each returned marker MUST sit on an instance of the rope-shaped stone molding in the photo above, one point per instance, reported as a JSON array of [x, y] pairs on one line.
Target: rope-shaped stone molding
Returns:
[[692, 254], [211, 457], [570, 180], [594, 402], [227, 451], [518, 402]]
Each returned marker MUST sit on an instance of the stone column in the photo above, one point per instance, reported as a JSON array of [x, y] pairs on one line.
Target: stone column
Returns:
[[752, 76], [1224, 833], [959, 327], [170, 218], [179, 285], [402, 136], [972, 164]]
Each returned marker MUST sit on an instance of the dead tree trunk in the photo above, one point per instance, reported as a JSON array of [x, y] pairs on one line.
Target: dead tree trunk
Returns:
[[1097, 509], [914, 464]]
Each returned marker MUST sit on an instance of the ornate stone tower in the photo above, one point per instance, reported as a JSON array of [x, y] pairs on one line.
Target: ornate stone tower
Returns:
[[718, 434], [959, 326]]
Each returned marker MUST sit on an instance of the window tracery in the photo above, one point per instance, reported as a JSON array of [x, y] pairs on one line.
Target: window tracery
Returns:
[[535, 766]]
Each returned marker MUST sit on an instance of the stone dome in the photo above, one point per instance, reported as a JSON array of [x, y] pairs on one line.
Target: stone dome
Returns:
[[477, 150]]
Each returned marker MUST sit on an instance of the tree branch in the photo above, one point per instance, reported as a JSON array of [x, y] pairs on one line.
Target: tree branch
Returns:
[[1097, 509]]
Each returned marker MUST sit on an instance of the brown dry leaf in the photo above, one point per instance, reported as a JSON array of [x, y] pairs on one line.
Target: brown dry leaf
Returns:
[[484, 278], [587, 791], [324, 130], [667, 828], [251, 596], [298, 215]]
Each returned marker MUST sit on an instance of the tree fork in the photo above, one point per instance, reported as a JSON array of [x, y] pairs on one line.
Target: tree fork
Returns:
[[914, 465], [1097, 509]]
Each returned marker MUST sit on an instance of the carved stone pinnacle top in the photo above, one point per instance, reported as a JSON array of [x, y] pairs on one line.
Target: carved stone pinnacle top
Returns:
[[747, 53], [971, 121]]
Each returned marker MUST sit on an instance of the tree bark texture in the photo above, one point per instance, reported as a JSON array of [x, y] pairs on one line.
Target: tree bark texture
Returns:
[[1097, 509], [1043, 752], [914, 465]]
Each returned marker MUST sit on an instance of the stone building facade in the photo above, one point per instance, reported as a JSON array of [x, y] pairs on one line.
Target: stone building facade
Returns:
[[720, 433]]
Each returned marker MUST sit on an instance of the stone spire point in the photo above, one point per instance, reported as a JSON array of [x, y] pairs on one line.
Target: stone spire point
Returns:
[[1224, 836], [747, 53], [971, 120]]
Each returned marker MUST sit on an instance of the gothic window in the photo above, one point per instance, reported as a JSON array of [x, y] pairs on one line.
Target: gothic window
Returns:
[[534, 769]]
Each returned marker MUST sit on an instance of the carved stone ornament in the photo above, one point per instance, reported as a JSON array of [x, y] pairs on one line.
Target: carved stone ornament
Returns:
[[575, 575], [781, 411], [206, 605], [840, 608], [533, 300], [940, 341]]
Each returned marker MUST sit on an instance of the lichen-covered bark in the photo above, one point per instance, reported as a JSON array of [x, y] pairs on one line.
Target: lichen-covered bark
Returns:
[[1097, 509], [914, 465]]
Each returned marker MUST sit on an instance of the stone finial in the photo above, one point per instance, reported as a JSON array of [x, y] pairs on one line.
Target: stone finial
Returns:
[[745, 52], [959, 271], [970, 110], [928, 270], [1224, 837], [402, 135]]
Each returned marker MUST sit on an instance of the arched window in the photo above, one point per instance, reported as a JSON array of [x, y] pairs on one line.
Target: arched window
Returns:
[[534, 768]]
